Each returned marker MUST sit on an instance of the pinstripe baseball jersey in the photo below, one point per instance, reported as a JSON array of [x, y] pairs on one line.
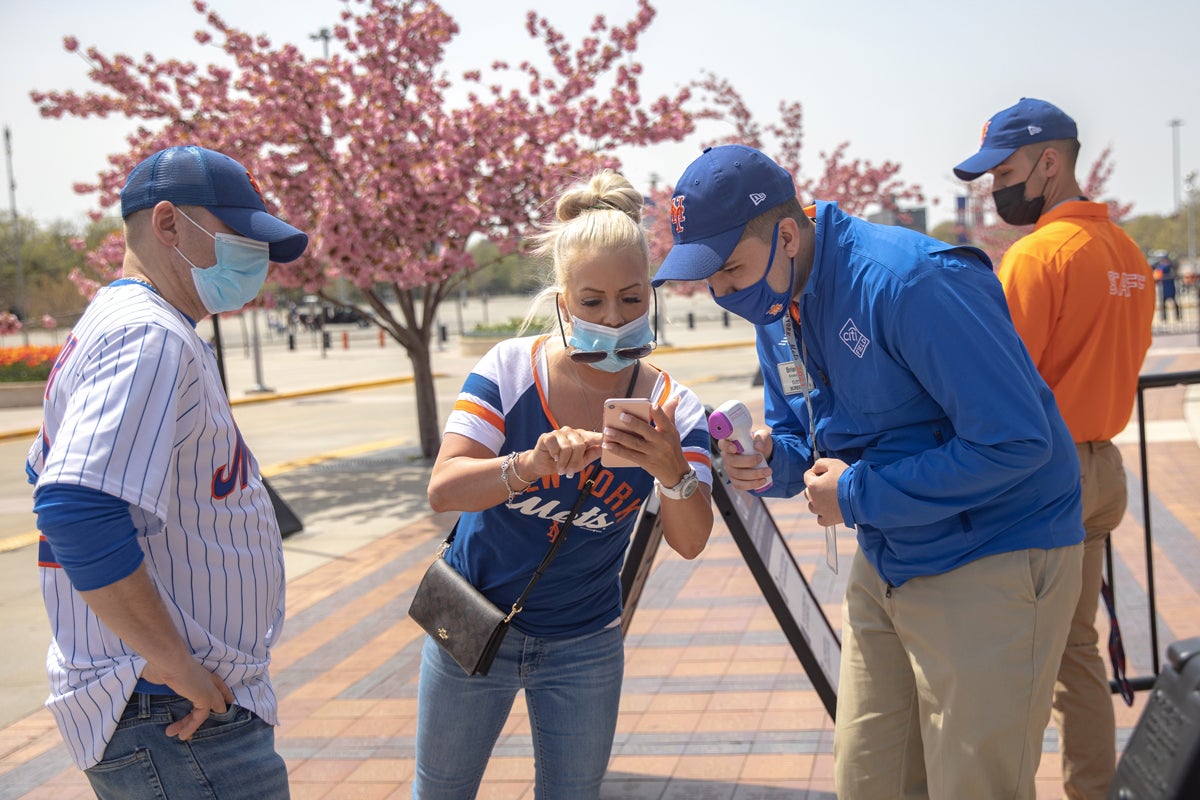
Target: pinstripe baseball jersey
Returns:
[[135, 408], [504, 405]]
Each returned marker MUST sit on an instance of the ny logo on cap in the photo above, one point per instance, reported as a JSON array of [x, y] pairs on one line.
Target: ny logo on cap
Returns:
[[677, 215], [254, 185]]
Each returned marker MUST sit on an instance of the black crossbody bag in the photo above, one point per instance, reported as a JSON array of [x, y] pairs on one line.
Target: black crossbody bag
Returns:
[[463, 622]]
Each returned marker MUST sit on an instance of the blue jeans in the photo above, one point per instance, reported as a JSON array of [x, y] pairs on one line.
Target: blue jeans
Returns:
[[231, 755], [572, 689]]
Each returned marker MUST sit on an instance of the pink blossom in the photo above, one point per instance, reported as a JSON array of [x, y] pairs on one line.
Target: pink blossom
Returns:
[[9, 324], [374, 153]]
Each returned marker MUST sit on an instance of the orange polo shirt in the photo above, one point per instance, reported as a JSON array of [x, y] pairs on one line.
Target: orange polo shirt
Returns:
[[1082, 298]]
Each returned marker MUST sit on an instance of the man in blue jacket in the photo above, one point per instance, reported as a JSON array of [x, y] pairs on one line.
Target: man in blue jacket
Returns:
[[902, 403]]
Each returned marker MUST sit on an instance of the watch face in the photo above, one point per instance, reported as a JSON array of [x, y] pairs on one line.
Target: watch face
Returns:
[[688, 485]]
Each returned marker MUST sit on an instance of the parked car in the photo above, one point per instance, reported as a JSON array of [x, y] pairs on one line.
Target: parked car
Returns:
[[313, 312]]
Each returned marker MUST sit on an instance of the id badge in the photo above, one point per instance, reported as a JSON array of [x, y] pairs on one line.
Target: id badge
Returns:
[[831, 557], [794, 380]]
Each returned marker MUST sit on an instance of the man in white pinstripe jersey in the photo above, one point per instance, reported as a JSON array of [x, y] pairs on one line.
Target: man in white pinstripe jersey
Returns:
[[161, 561]]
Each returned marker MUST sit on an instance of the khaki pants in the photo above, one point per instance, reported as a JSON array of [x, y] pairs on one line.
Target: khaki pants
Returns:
[[1083, 704], [945, 685]]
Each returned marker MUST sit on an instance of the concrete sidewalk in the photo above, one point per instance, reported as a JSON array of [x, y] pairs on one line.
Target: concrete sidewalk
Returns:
[[714, 704]]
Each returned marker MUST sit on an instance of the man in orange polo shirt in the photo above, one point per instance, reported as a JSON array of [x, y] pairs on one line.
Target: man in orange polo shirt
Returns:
[[1082, 298]]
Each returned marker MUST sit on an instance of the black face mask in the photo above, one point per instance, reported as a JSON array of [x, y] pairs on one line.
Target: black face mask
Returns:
[[1012, 206]]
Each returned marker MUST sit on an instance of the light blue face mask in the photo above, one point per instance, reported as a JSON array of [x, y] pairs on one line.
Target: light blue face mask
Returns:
[[239, 273], [610, 349]]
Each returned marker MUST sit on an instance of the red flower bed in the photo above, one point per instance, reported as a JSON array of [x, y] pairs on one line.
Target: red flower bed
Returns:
[[28, 363]]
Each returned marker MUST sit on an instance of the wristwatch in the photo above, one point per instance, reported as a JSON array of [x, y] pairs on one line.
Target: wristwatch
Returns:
[[682, 490]]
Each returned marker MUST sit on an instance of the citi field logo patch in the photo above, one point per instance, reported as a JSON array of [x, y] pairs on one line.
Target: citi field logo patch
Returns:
[[853, 338]]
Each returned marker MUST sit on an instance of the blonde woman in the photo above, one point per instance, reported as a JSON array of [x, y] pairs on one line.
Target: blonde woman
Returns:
[[525, 434]]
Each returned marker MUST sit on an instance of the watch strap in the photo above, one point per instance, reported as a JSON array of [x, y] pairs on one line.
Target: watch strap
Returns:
[[676, 492]]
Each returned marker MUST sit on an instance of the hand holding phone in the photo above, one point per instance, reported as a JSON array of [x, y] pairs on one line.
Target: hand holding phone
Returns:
[[613, 407]]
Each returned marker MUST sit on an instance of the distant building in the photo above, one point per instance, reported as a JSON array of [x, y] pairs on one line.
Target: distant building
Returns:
[[913, 218]]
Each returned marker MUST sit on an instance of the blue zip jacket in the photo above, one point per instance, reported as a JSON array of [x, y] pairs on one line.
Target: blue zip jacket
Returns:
[[955, 444]]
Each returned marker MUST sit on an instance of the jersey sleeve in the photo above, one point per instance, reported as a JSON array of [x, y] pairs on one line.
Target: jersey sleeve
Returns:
[[692, 424], [478, 413], [117, 426]]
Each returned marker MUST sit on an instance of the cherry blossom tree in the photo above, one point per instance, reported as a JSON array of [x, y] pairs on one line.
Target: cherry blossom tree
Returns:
[[856, 185], [389, 164]]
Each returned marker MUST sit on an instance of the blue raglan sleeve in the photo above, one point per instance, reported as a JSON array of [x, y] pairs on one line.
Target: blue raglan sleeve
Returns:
[[90, 533], [952, 330], [791, 455]]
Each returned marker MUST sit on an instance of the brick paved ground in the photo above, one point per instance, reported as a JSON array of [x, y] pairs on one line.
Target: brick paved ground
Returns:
[[715, 704]]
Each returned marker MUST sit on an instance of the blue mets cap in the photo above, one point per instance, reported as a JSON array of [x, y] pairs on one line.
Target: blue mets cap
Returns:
[[1028, 122], [717, 195], [193, 176]]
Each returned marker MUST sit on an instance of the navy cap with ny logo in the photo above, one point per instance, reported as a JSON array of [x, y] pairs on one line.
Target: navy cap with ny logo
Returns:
[[716, 196]]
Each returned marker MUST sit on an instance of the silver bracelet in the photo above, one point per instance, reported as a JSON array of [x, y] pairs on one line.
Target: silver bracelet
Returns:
[[517, 475], [504, 467]]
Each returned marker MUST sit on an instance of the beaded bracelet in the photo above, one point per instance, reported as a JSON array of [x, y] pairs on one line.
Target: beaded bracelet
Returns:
[[504, 467]]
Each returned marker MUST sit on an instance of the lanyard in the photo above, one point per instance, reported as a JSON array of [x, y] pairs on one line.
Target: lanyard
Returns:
[[800, 358]]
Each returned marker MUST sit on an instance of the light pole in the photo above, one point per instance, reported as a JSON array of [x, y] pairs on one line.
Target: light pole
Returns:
[[1190, 276], [16, 229], [1190, 182], [323, 36], [1174, 125]]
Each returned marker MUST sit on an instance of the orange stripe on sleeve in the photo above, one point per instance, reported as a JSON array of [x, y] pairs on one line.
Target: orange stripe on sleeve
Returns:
[[486, 414]]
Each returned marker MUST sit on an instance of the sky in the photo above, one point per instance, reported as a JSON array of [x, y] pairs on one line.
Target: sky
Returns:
[[907, 82]]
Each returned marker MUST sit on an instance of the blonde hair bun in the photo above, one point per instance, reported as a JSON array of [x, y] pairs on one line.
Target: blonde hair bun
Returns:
[[607, 190]]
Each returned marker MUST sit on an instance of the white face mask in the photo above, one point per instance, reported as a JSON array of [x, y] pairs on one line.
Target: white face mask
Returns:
[[239, 273]]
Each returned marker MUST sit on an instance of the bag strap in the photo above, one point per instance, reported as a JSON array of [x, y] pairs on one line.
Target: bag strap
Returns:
[[637, 367], [550, 554], [558, 540]]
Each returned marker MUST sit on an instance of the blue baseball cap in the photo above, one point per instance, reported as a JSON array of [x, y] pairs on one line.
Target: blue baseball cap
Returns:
[[1028, 122], [193, 176], [717, 195]]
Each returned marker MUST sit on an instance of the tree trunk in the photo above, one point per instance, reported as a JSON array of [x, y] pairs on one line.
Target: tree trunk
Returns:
[[429, 431]]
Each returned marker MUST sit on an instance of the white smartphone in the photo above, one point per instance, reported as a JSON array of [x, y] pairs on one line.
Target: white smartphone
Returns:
[[613, 407]]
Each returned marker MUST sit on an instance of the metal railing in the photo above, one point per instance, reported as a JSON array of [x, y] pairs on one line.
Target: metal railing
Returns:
[[1148, 382]]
